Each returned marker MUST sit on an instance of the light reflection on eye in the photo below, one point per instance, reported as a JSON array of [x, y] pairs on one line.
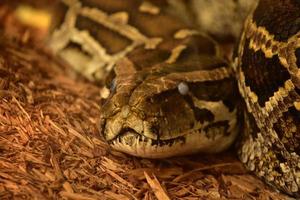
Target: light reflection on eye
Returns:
[[183, 88], [113, 85]]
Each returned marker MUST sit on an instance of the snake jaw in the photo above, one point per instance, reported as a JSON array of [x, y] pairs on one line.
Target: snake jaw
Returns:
[[128, 133], [135, 144]]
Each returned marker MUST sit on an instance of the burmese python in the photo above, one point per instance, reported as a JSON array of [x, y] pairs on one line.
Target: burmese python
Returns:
[[172, 93]]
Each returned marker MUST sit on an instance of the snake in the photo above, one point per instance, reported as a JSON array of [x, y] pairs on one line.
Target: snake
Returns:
[[170, 90]]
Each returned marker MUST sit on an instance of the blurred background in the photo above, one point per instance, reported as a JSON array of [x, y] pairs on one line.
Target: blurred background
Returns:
[[31, 20]]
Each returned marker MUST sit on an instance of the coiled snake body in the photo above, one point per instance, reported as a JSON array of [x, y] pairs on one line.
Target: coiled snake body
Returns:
[[171, 93]]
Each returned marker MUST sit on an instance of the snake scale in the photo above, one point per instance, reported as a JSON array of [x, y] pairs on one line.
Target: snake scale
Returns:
[[172, 92]]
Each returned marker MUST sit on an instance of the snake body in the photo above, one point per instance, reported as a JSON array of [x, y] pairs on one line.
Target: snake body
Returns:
[[172, 93], [268, 76]]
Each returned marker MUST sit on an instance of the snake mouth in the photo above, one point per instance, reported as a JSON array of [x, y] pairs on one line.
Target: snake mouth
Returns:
[[129, 136], [131, 142]]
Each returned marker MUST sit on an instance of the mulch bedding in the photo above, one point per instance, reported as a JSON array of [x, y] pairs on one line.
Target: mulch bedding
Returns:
[[50, 147]]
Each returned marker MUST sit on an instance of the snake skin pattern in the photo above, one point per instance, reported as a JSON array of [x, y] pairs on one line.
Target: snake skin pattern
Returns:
[[268, 76], [171, 93]]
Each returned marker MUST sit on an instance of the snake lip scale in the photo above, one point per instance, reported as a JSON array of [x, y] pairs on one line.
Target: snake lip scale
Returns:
[[131, 142]]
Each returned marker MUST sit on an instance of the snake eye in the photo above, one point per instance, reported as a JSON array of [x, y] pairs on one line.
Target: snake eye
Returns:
[[113, 85], [109, 89], [183, 88]]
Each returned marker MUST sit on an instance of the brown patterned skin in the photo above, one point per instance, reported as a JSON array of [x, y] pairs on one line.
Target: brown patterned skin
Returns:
[[98, 33], [146, 115], [152, 53], [268, 76]]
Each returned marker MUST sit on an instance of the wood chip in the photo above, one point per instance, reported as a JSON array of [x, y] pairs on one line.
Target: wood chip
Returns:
[[156, 187], [121, 180]]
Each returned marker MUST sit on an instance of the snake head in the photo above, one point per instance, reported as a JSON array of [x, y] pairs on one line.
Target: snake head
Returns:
[[147, 114]]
